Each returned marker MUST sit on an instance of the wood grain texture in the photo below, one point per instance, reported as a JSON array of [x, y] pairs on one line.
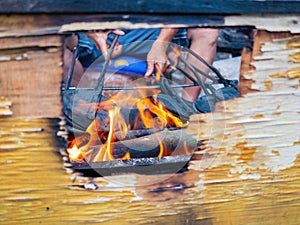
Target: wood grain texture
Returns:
[[41, 24], [31, 42], [30, 75], [155, 6], [271, 22], [241, 188], [264, 124], [5, 105]]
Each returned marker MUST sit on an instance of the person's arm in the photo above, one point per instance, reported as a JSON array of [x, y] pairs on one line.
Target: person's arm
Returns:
[[157, 54], [100, 39]]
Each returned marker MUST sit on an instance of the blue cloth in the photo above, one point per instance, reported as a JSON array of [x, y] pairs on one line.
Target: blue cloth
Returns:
[[135, 43], [124, 65]]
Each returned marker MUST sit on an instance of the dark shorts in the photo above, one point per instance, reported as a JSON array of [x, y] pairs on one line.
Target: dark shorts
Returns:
[[135, 43]]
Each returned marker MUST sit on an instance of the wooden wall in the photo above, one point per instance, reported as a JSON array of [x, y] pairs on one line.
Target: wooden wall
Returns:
[[31, 36], [31, 73]]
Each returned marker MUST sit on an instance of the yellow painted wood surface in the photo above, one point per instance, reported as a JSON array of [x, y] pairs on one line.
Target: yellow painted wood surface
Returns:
[[249, 174], [242, 188], [5, 105]]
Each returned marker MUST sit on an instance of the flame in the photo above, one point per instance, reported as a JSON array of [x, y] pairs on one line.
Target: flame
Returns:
[[75, 153], [163, 116], [116, 123], [158, 72], [152, 114], [177, 53], [126, 156], [164, 113], [161, 150]]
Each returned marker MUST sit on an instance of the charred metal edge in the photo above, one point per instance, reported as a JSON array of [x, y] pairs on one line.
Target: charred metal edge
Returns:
[[145, 166]]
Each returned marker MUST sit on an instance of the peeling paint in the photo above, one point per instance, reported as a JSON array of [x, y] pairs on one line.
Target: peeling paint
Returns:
[[267, 22], [262, 127], [5, 107], [268, 84], [13, 57]]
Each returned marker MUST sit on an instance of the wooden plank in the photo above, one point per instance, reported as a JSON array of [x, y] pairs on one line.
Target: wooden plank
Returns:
[[5, 105], [155, 6], [30, 42], [245, 85], [31, 76], [41, 24], [36, 190], [275, 23], [265, 123]]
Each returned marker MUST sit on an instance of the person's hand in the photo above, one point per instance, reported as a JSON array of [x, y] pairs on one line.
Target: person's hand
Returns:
[[157, 57], [100, 40]]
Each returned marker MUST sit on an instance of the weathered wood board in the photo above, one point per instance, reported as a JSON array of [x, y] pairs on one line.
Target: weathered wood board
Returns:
[[249, 175], [41, 24], [31, 75], [264, 123], [5, 105]]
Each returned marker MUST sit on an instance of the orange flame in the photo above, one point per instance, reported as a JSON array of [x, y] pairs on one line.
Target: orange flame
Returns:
[[75, 153], [116, 123], [161, 150], [126, 156], [177, 54], [158, 72], [152, 114]]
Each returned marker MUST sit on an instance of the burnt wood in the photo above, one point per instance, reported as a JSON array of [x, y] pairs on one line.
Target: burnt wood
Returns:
[[154, 6]]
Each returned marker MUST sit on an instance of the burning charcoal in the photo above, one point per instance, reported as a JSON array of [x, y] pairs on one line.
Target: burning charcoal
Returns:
[[131, 134], [102, 117], [120, 151], [130, 115], [133, 118], [145, 154], [167, 141], [145, 151], [82, 139]]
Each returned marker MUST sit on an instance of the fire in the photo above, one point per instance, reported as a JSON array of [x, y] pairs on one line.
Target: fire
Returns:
[[176, 53], [105, 144], [116, 124], [151, 113], [161, 150], [158, 72], [75, 153]]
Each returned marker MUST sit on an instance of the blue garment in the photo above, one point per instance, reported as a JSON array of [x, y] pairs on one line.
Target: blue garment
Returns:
[[135, 43], [123, 65]]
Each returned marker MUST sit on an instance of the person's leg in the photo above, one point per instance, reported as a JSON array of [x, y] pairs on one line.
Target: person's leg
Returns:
[[203, 42]]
